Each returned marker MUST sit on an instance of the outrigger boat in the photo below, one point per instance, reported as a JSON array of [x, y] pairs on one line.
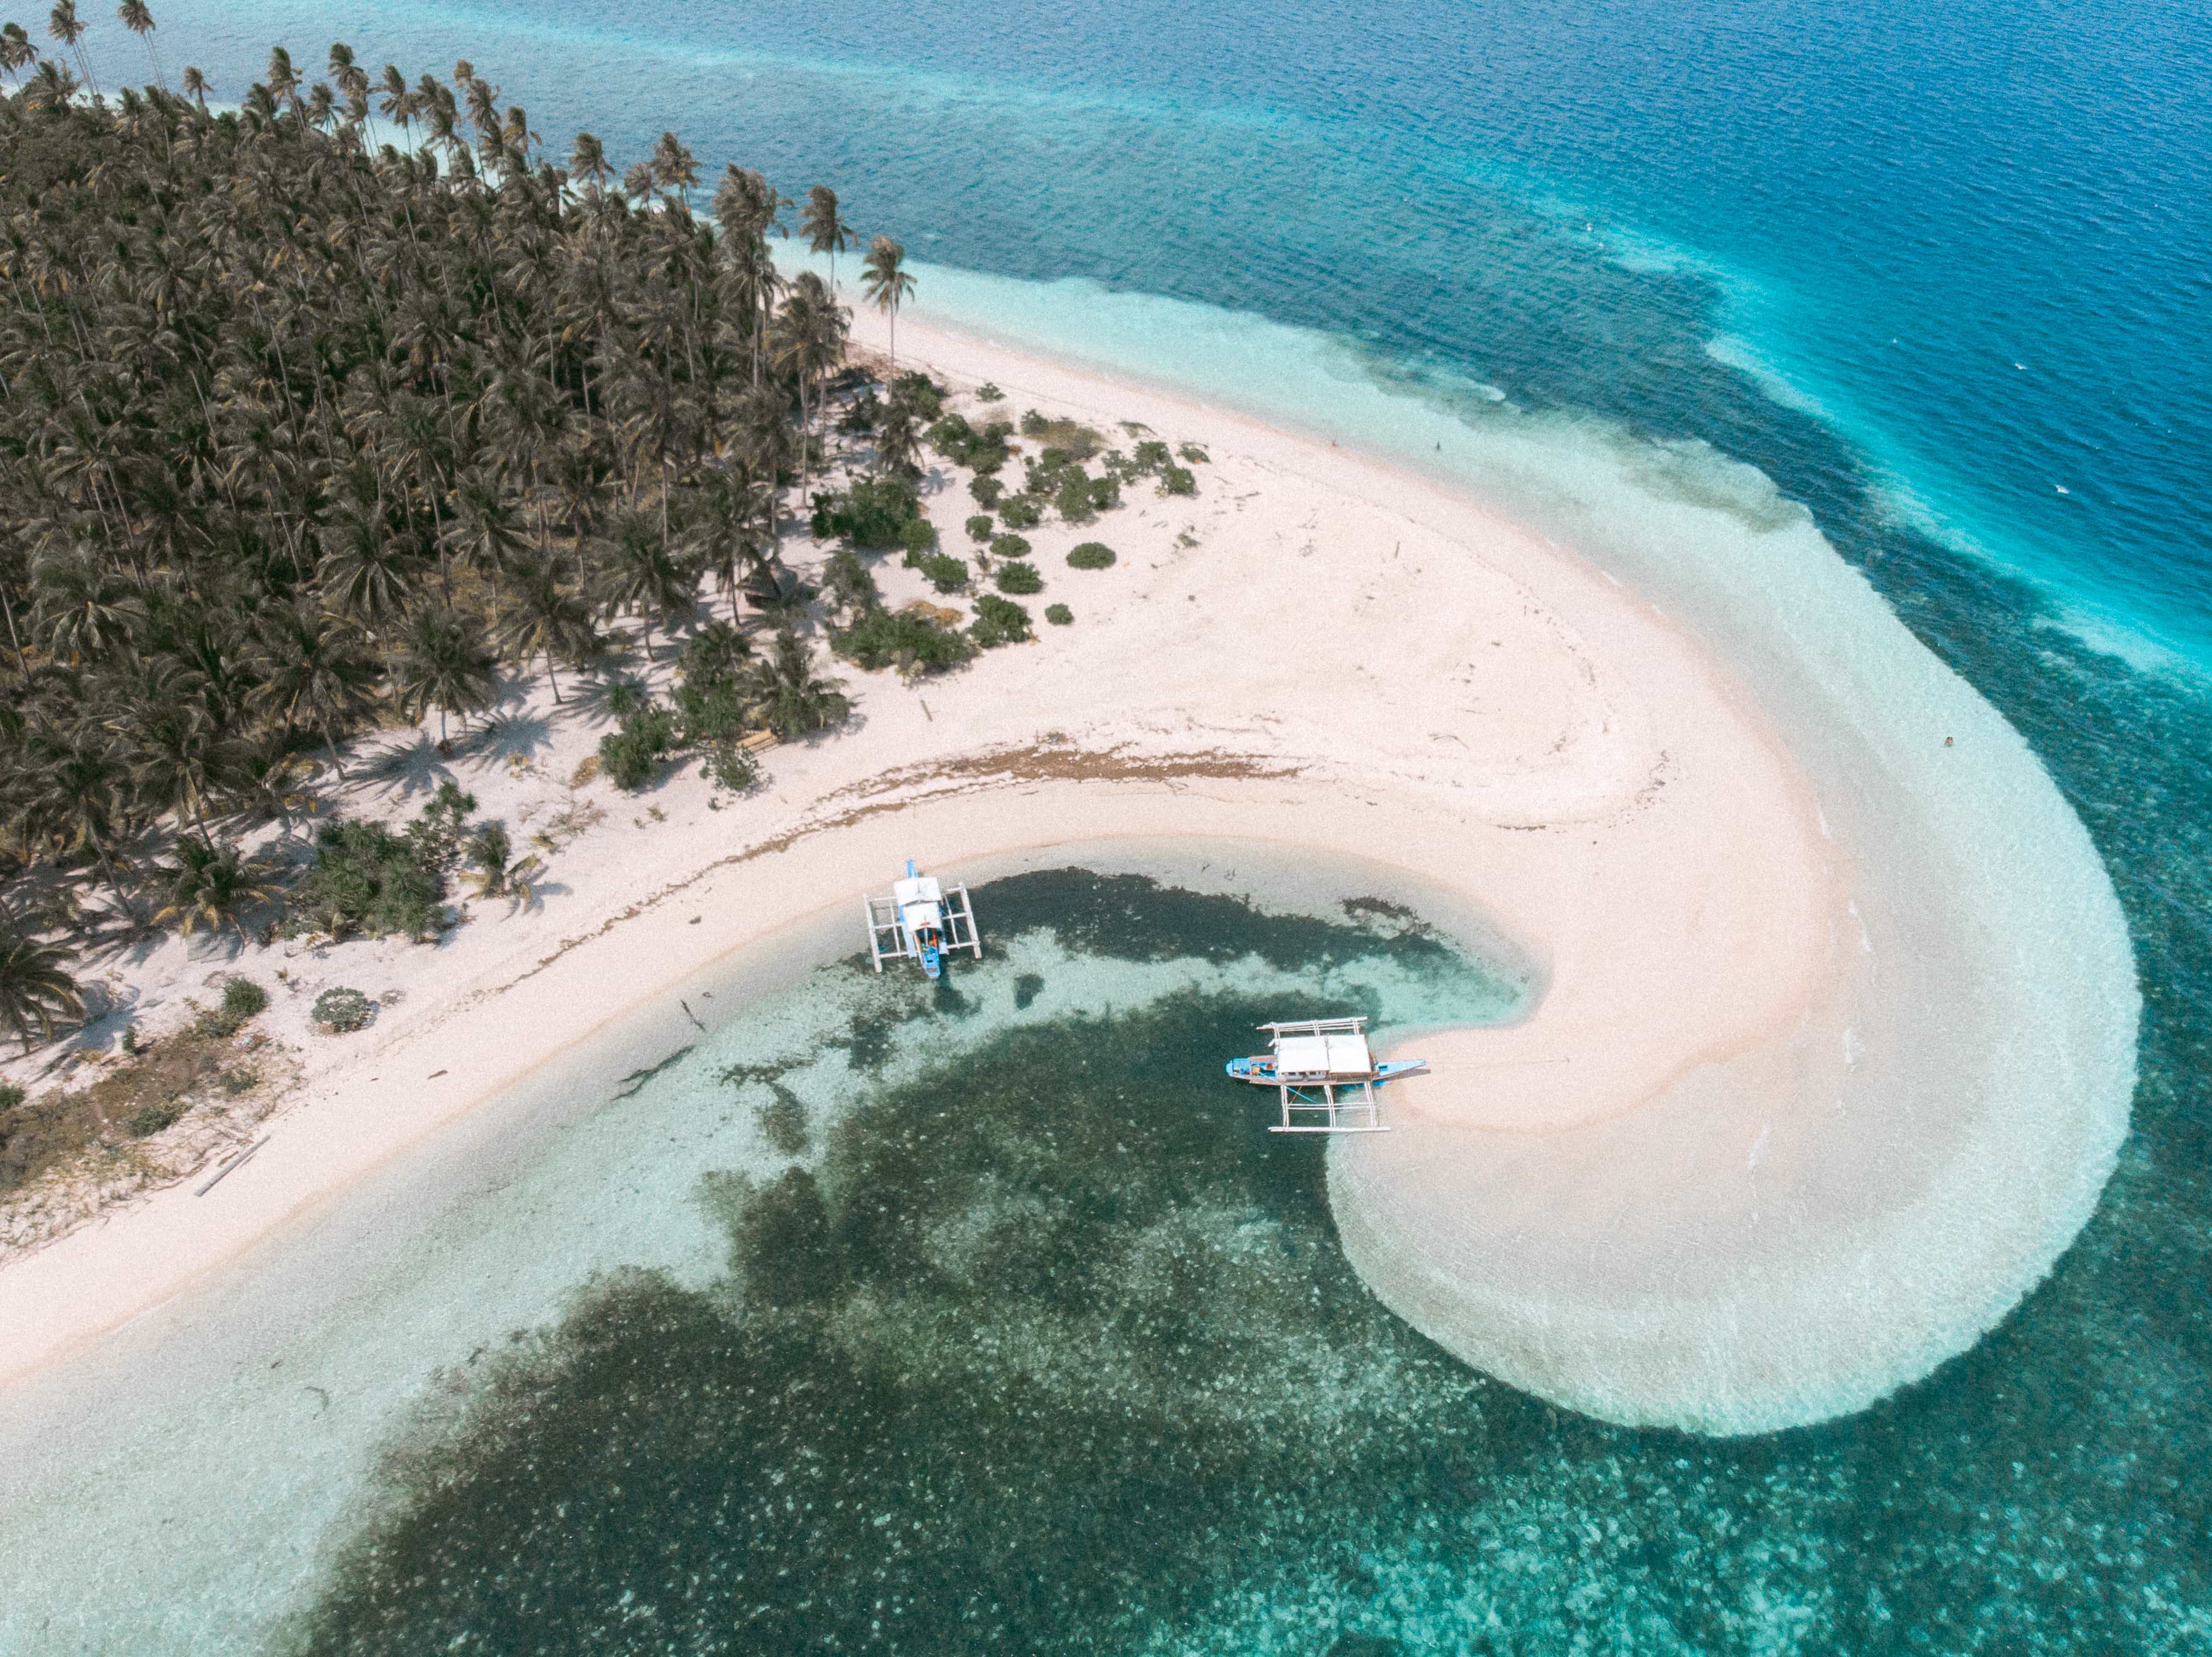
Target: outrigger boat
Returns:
[[1325, 1074], [921, 921]]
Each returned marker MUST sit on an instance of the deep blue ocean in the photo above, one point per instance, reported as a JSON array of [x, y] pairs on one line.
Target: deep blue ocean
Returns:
[[1942, 274]]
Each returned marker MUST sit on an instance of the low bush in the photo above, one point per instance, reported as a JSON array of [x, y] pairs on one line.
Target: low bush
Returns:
[[1080, 441], [848, 583], [1151, 456], [152, 1119], [980, 527], [628, 757], [999, 621], [241, 999], [729, 766], [341, 1009], [1021, 511], [920, 536], [986, 492], [867, 409], [368, 880], [907, 640], [10, 1096], [1178, 480], [1059, 614], [944, 572], [872, 515], [1091, 555], [1009, 546], [983, 451], [923, 394], [987, 392], [1192, 454], [1018, 577]]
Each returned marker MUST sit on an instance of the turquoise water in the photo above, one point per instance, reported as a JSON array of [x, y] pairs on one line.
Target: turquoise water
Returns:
[[1923, 268], [1043, 1342]]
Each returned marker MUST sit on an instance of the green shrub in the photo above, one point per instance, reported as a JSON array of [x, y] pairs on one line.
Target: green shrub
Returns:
[[920, 536], [983, 451], [867, 409], [10, 1095], [341, 1009], [729, 766], [907, 640], [1091, 555], [923, 394], [368, 880], [242, 998], [152, 1119], [987, 392], [1079, 440], [1009, 546], [1018, 577], [1073, 497], [872, 515], [986, 492], [1178, 480], [999, 621], [1193, 453], [630, 757], [1021, 511], [437, 832], [846, 582], [1151, 457], [1059, 614], [979, 527], [944, 572], [717, 649]]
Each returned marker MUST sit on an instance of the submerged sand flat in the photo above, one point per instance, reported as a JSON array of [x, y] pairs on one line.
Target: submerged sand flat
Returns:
[[1835, 1037]]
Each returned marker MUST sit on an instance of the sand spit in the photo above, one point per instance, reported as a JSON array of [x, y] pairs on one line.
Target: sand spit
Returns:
[[1836, 1039]]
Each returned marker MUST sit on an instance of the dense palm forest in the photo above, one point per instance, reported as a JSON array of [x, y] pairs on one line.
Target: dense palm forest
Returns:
[[319, 411]]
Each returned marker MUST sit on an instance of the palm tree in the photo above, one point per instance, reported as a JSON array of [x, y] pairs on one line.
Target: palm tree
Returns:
[[540, 617], [792, 698], [140, 21], [17, 54], [637, 572], [588, 160], [36, 991], [314, 675], [64, 26], [195, 86], [811, 342], [888, 284], [442, 664], [898, 435], [213, 886], [824, 230]]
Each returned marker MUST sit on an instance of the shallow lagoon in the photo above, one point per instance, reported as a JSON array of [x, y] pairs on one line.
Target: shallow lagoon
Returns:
[[989, 1317]]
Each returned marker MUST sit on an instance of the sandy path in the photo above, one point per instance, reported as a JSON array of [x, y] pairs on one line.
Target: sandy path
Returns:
[[1737, 1167]]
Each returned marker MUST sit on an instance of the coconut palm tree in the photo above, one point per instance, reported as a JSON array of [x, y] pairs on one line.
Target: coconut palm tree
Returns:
[[442, 664], [539, 617], [888, 284], [638, 572], [64, 26], [791, 696], [140, 21], [809, 342], [315, 676], [825, 231], [195, 86], [36, 991], [17, 54], [215, 886]]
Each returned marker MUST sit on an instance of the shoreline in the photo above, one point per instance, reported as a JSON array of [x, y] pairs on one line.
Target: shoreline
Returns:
[[1571, 786]]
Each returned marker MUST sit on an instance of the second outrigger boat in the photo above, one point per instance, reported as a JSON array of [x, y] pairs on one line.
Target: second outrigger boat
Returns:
[[1325, 1074]]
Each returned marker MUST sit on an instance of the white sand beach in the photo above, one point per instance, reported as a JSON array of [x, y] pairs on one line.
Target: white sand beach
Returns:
[[1836, 1032]]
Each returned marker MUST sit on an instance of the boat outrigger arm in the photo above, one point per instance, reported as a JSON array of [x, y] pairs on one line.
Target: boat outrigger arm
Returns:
[[1325, 1074], [921, 921]]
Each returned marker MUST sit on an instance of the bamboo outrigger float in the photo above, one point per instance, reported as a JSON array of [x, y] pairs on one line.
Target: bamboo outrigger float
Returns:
[[1325, 1074], [921, 921]]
